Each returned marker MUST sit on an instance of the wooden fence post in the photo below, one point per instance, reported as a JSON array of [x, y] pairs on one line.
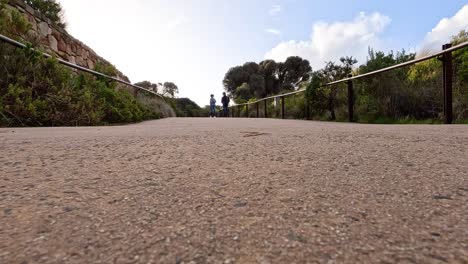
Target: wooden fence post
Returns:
[[282, 107], [258, 114], [448, 81], [350, 100]]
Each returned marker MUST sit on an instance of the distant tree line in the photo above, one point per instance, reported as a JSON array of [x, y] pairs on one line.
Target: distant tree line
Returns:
[[183, 107], [168, 89]]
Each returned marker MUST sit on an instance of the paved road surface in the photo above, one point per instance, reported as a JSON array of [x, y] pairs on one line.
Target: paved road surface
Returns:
[[234, 191]]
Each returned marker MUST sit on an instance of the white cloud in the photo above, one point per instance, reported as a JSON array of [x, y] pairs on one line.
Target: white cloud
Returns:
[[330, 41], [273, 31], [274, 10], [445, 29]]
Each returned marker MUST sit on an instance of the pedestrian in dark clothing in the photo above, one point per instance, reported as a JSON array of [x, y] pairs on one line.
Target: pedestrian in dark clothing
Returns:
[[225, 101]]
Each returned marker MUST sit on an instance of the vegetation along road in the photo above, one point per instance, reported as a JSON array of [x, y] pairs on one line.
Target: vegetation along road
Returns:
[[234, 191]]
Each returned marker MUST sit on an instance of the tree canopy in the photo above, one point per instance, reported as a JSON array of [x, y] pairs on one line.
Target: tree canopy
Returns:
[[49, 8], [170, 89], [148, 85], [322, 99], [255, 80]]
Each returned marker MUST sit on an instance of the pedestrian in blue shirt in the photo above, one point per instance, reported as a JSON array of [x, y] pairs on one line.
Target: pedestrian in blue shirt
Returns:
[[212, 106]]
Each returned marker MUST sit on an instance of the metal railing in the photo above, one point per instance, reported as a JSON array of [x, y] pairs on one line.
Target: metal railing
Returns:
[[445, 56], [77, 67]]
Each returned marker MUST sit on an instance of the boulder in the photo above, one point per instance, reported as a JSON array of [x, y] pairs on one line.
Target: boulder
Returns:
[[30, 10], [53, 43], [85, 54], [80, 61], [31, 19], [62, 46], [55, 33], [62, 55], [44, 29], [34, 26], [90, 64], [71, 59]]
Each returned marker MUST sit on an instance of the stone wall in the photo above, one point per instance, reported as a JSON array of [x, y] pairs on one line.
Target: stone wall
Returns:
[[56, 41]]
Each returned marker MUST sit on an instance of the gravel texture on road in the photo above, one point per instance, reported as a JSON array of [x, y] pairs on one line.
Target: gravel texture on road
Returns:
[[234, 191]]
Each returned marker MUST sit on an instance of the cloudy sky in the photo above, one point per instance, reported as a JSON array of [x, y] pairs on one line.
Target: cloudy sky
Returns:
[[194, 42]]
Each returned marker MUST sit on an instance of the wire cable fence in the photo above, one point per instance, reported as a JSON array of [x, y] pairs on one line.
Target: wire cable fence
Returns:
[[290, 105]]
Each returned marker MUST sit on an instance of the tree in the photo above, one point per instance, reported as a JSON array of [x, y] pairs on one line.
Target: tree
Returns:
[[387, 94], [425, 85], [334, 72], [49, 8], [347, 66], [460, 64], [316, 99], [166, 89], [170, 89], [148, 85], [244, 82], [293, 71], [461, 56], [234, 78], [269, 70], [253, 80], [243, 93]]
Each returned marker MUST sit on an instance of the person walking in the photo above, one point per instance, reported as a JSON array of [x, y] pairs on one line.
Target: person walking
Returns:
[[212, 106], [225, 100]]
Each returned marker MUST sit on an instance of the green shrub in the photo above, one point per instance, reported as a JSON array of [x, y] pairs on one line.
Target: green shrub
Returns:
[[50, 9], [40, 92]]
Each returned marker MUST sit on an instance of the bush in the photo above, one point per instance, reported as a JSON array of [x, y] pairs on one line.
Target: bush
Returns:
[[40, 92], [50, 9]]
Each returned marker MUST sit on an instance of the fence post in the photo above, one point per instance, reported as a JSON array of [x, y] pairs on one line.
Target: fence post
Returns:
[[448, 77], [266, 115], [350, 99], [258, 115], [282, 107], [135, 92], [247, 110]]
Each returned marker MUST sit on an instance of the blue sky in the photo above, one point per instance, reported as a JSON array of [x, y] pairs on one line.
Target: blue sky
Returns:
[[193, 43]]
